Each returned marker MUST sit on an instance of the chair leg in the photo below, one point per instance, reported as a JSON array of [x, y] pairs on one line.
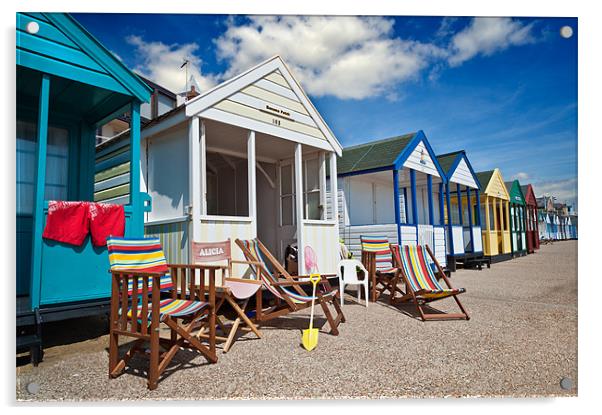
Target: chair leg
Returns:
[[243, 316], [342, 293], [113, 352], [333, 327], [153, 372], [366, 293]]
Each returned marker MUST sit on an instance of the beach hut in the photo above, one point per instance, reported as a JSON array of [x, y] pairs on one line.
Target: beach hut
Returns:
[[495, 212], [573, 226], [545, 208], [518, 225], [542, 224], [245, 159], [67, 86], [464, 240], [395, 188], [531, 218]]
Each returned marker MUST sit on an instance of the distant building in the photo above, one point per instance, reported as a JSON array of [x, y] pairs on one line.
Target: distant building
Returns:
[[162, 101]]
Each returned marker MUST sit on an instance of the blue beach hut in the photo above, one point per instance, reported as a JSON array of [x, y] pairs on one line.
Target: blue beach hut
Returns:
[[395, 188], [463, 209]]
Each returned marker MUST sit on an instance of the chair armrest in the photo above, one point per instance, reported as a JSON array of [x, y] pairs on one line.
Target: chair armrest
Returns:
[[330, 276], [198, 266], [138, 273], [236, 261], [288, 283]]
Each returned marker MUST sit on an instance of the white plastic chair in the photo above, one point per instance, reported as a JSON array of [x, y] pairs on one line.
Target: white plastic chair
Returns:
[[347, 273]]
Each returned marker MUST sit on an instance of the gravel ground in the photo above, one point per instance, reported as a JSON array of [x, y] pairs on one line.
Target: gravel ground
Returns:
[[521, 341]]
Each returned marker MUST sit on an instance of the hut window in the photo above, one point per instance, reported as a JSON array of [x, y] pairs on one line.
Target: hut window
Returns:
[[287, 198], [56, 165], [227, 186], [311, 189]]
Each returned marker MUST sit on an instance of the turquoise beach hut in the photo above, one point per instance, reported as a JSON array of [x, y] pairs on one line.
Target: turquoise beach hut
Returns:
[[68, 85]]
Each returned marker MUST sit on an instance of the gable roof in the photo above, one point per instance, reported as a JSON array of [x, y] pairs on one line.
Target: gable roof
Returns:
[[529, 194], [373, 155], [515, 192], [449, 162], [446, 161], [484, 177], [63, 47], [493, 184], [220, 92], [386, 154]]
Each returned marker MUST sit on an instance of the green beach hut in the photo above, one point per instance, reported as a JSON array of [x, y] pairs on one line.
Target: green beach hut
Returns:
[[518, 232]]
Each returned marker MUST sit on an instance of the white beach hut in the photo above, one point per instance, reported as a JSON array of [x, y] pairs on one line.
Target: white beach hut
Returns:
[[244, 159]]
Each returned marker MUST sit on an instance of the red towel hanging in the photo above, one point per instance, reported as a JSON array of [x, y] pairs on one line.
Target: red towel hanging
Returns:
[[67, 222], [106, 220]]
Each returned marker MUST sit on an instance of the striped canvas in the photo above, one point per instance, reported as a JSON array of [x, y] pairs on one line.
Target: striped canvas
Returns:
[[420, 275], [139, 254], [380, 246], [175, 308], [268, 277]]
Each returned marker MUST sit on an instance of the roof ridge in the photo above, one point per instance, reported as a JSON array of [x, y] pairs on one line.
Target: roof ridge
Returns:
[[362, 157], [451, 153], [382, 140]]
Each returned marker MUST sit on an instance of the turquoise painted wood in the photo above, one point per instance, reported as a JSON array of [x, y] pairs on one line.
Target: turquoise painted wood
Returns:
[[66, 78], [75, 273], [135, 197], [64, 48], [40, 178]]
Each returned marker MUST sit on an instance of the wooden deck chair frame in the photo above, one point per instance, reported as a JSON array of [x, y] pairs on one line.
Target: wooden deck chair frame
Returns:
[[205, 252], [417, 298], [124, 305], [281, 278], [388, 281]]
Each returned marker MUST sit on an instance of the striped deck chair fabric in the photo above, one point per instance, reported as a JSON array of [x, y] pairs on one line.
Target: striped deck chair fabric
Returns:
[[142, 254], [267, 278], [420, 274], [380, 246], [174, 308], [146, 254]]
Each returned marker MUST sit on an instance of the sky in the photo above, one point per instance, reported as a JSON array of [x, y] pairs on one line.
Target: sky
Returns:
[[503, 89]]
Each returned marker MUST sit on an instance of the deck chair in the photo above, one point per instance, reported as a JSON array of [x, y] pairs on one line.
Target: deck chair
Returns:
[[234, 291], [144, 296], [378, 260], [290, 296], [421, 281]]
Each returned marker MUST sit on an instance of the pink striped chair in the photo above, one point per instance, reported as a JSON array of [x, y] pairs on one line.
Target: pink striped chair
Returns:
[[421, 281], [288, 290], [235, 291]]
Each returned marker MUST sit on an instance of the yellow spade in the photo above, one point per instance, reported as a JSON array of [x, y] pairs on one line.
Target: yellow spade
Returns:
[[310, 336]]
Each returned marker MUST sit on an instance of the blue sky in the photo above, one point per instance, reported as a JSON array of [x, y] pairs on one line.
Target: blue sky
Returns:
[[503, 89]]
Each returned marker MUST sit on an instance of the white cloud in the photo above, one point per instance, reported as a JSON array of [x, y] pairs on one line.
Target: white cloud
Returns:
[[345, 57], [521, 175], [486, 36], [348, 57], [161, 63]]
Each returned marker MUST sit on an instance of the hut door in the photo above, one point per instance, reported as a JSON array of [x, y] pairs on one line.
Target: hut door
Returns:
[[55, 188], [286, 207]]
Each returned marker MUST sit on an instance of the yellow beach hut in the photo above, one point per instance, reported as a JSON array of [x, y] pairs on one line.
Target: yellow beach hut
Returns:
[[495, 214]]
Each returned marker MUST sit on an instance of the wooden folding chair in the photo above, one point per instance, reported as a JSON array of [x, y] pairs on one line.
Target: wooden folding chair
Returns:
[[421, 281], [378, 260], [140, 275], [231, 290], [276, 280]]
